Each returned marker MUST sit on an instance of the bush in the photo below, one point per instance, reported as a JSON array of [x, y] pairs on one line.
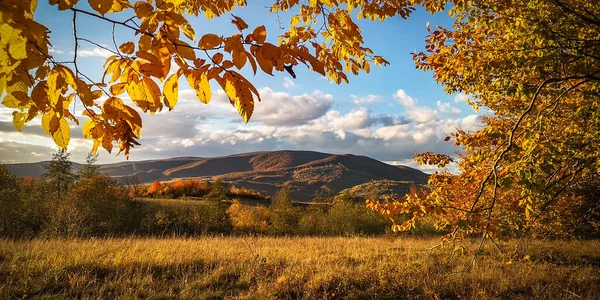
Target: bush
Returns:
[[249, 219], [348, 218], [11, 214], [94, 206], [284, 216], [182, 218]]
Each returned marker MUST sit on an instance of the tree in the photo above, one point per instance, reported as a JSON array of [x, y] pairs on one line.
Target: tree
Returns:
[[90, 169], [217, 191], [59, 172], [534, 67], [10, 215], [321, 35]]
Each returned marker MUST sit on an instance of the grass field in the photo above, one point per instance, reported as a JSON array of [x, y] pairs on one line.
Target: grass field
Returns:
[[292, 268]]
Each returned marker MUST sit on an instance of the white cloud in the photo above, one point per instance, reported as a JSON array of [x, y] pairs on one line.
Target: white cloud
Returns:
[[358, 100], [460, 97], [404, 99], [471, 123], [95, 52], [356, 119], [422, 114], [283, 109], [395, 131], [55, 51], [419, 114], [288, 83], [447, 108], [452, 167]]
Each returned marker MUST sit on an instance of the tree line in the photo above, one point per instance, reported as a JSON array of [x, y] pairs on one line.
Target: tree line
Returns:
[[91, 204]]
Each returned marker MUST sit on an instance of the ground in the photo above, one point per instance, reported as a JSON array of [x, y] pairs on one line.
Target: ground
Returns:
[[293, 268]]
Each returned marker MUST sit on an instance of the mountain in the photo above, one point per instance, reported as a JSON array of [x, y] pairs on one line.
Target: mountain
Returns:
[[304, 172]]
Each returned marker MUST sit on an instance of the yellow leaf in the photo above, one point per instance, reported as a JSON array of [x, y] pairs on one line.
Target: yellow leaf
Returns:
[[87, 128], [63, 134], [39, 95], [119, 5], [10, 100], [54, 87], [113, 68], [133, 119], [366, 67], [66, 74], [19, 119], [145, 94], [230, 89], [85, 94], [2, 83], [171, 91], [101, 6], [127, 48], [97, 143], [260, 34], [50, 122], [17, 45], [118, 89], [185, 50], [143, 54], [142, 9], [203, 89], [210, 41]]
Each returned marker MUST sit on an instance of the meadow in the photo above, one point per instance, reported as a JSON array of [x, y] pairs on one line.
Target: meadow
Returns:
[[246, 267]]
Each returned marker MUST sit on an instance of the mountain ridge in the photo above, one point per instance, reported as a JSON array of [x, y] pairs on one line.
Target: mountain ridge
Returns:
[[303, 172]]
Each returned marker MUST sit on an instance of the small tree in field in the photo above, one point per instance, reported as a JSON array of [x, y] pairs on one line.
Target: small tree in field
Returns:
[[285, 217], [59, 172], [218, 191], [90, 169]]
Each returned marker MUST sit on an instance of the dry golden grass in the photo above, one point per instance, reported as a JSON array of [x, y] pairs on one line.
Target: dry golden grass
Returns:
[[292, 268]]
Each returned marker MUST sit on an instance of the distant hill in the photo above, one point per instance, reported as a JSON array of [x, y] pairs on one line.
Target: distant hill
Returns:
[[303, 172]]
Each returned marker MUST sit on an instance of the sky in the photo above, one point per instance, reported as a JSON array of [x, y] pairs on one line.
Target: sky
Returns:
[[389, 114]]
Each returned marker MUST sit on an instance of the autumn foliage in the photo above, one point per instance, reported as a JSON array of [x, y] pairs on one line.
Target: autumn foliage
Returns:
[[38, 85], [532, 69]]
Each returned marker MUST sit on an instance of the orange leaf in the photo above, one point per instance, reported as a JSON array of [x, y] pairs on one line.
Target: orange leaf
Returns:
[[260, 34], [239, 23], [210, 41]]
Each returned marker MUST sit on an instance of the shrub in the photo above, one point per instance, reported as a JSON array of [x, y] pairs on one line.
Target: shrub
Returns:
[[184, 218], [249, 219], [94, 206], [11, 214], [284, 216]]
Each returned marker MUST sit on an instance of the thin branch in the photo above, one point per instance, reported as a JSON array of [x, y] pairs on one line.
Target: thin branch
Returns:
[[98, 45]]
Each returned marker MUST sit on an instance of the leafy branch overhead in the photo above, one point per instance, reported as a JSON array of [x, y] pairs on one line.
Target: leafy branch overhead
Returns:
[[322, 36], [534, 67]]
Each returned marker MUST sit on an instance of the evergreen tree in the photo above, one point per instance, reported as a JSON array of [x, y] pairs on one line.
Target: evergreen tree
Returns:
[[59, 172], [90, 169]]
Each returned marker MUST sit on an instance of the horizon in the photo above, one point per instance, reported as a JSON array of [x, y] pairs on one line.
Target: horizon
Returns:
[[425, 169]]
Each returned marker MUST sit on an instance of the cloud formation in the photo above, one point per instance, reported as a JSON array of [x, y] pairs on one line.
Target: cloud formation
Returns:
[[95, 52], [309, 121], [288, 83]]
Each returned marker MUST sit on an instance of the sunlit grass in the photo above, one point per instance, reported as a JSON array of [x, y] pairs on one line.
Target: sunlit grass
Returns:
[[290, 268]]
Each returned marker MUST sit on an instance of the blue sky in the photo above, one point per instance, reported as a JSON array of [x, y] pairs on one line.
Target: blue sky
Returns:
[[388, 114]]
